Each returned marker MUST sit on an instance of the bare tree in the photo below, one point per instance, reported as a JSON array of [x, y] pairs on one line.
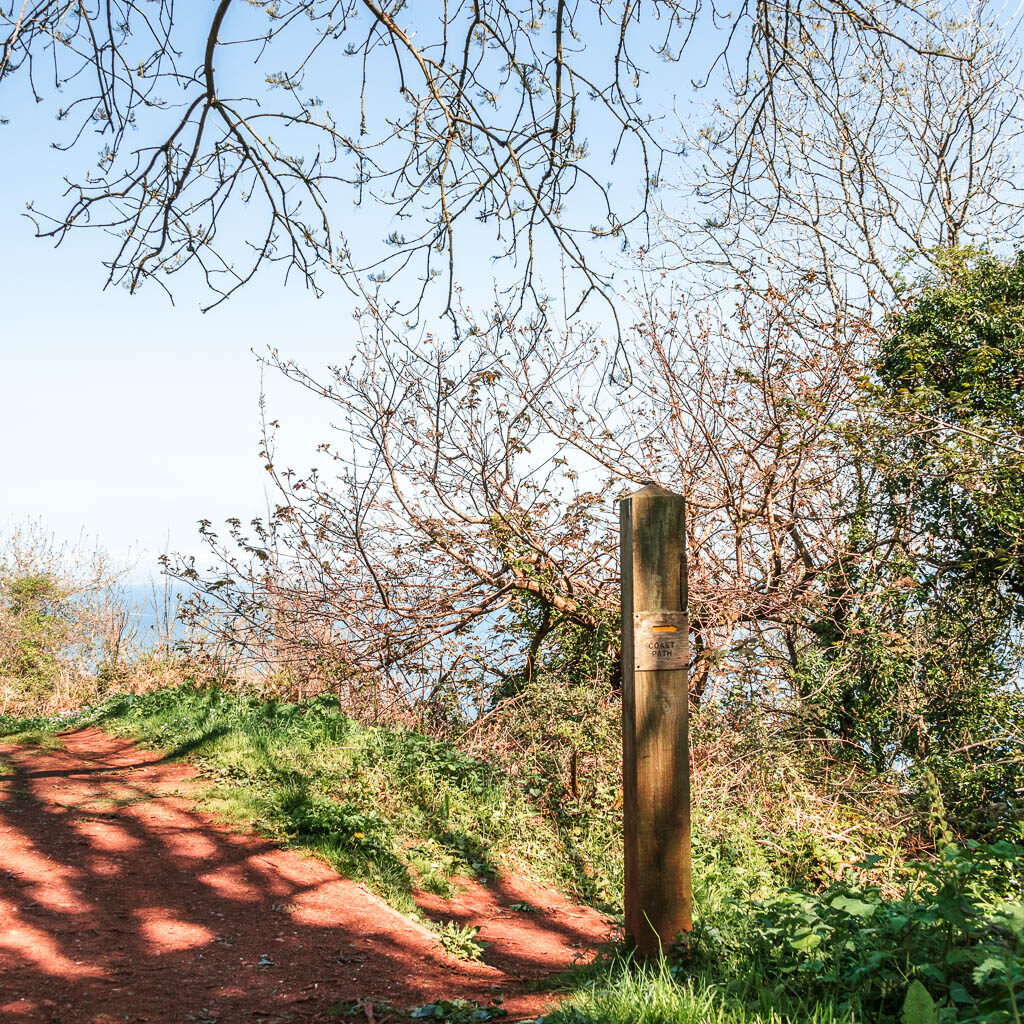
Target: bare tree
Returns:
[[845, 165], [464, 514], [442, 504], [476, 475], [530, 116]]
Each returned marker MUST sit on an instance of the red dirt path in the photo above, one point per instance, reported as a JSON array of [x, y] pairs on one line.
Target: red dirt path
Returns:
[[120, 901]]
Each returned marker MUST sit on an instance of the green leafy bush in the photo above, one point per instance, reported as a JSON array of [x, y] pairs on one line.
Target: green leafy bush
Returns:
[[460, 940], [957, 932], [67, 630], [35, 627]]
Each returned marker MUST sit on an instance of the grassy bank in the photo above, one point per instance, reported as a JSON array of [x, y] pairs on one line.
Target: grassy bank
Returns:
[[380, 805], [940, 941], [383, 805], [659, 993]]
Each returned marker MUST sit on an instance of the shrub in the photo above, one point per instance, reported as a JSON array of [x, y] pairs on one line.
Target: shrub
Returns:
[[952, 945]]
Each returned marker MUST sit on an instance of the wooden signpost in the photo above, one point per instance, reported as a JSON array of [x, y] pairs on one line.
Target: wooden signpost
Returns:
[[655, 718]]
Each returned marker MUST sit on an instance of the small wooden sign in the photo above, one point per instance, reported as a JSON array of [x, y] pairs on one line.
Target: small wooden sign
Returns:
[[660, 641]]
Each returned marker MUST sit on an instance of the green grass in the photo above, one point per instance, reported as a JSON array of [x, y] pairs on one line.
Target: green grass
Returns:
[[383, 805], [35, 731], [947, 949], [658, 993], [380, 805], [773, 945]]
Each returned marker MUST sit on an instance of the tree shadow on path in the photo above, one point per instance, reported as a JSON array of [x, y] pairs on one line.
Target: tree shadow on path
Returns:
[[120, 902]]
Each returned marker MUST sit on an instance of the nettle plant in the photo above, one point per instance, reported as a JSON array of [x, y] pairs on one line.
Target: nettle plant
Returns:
[[951, 948]]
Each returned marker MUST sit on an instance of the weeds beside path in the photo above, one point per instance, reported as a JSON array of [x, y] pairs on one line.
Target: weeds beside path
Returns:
[[122, 900]]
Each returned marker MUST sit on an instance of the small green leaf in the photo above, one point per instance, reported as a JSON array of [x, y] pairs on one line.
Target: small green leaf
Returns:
[[918, 1005], [959, 994], [856, 908], [989, 966]]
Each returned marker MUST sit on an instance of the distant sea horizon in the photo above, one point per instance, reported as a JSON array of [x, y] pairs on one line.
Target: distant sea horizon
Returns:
[[145, 602]]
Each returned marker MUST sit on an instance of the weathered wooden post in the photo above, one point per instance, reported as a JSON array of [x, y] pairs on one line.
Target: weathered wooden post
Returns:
[[655, 718]]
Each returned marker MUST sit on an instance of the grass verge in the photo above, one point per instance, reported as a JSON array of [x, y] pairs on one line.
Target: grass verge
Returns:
[[379, 805], [655, 993], [386, 806]]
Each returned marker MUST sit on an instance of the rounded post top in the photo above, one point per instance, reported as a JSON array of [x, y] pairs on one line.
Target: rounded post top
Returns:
[[651, 489]]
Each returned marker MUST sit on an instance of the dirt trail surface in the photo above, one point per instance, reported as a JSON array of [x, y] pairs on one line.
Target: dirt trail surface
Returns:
[[121, 901]]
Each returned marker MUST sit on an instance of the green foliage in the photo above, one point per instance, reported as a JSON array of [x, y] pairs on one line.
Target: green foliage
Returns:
[[918, 1006], [35, 627], [953, 365], [66, 631], [560, 741], [953, 941], [557, 732], [660, 993], [916, 651], [924, 684], [460, 940], [946, 948], [36, 730]]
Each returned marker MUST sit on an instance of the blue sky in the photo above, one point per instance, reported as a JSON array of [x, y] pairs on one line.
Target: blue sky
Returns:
[[126, 418], [123, 416], [129, 419]]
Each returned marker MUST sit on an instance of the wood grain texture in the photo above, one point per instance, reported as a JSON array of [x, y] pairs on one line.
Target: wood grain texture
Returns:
[[655, 725]]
